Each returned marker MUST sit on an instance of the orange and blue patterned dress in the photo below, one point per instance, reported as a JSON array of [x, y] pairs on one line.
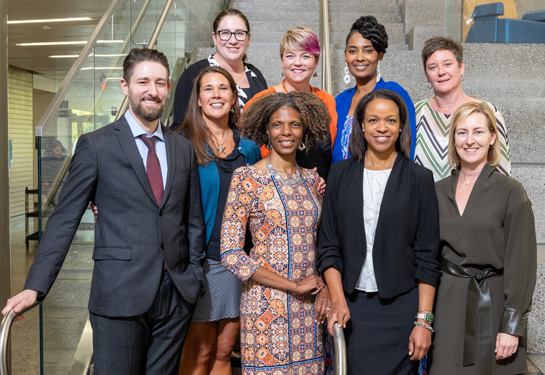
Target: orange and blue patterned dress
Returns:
[[279, 334]]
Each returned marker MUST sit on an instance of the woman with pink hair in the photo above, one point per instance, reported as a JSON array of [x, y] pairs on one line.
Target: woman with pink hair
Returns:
[[299, 55]]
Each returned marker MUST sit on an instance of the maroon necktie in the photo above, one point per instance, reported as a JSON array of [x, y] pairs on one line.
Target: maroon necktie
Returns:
[[153, 168]]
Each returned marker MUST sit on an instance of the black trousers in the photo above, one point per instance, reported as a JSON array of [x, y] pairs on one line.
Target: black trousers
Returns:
[[377, 334], [147, 344]]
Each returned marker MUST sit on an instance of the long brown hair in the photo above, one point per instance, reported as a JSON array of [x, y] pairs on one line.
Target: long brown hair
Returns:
[[358, 144], [194, 127]]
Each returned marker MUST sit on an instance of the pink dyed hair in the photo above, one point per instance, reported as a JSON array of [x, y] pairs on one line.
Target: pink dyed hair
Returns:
[[300, 38]]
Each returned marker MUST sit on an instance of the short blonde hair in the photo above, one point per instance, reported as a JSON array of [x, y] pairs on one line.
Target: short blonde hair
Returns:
[[300, 38], [462, 113]]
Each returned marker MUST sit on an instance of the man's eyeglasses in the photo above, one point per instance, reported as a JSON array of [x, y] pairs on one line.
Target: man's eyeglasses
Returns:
[[225, 35]]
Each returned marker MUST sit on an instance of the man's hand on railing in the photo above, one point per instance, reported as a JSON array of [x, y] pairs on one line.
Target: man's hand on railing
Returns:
[[339, 313], [21, 301]]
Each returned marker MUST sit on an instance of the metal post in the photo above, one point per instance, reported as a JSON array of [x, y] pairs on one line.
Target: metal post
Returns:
[[5, 287]]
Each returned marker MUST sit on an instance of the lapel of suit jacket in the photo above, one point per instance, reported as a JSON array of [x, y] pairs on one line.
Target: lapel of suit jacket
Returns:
[[356, 193], [171, 160], [128, 144], [389, 207]]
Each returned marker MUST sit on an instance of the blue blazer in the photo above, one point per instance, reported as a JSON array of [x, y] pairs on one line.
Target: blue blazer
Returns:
[[344, 99], [210, 183]]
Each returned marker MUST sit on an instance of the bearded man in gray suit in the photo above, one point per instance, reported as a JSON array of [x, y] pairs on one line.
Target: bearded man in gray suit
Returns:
[[149, 236]]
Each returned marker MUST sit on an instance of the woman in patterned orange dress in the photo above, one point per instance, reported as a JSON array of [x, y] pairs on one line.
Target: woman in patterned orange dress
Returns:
[[283, 300]]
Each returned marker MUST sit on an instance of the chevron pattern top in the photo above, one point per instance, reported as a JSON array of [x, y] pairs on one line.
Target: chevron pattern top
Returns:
[[432, 130]]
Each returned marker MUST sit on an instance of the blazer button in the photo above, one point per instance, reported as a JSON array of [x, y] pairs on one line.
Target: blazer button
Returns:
[[161, 213], [162, 246]]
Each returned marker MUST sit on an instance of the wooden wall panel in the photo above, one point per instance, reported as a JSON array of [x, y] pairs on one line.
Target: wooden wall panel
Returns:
[[21, 134]]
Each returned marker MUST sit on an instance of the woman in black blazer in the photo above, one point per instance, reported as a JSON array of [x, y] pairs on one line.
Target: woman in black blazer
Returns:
[[379, 242]]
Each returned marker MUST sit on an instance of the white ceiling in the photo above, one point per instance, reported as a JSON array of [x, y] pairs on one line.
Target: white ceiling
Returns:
[[35, 58]]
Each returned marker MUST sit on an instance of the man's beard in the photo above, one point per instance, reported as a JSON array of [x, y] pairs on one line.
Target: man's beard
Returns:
[[143, 113]]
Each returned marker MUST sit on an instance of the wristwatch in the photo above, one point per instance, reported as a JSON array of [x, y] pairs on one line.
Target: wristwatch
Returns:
[[425, 316]]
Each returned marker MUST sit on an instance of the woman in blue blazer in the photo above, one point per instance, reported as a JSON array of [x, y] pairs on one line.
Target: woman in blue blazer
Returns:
[[379, 242]]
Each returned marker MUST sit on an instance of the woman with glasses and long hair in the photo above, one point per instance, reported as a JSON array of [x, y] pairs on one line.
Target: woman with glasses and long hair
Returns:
[[299, 55], [231, 36]]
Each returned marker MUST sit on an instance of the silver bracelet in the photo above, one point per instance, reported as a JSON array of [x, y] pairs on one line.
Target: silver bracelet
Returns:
[[418, 324]]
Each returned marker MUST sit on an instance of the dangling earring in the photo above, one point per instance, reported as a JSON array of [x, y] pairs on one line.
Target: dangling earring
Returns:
[[269, 145], [429, 87], [315, 74], [282, 74], [346, 74], [302, 146], [378, 72], [233, 109], [462, 78]]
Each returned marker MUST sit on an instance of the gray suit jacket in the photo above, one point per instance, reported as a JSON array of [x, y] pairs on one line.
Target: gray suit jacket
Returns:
[[133, 235]]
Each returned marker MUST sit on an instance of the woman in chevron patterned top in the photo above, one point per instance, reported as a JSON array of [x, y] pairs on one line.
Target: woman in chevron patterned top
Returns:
[[444, 68]]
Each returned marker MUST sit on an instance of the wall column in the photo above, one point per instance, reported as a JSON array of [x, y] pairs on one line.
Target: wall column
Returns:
[[5, 291]]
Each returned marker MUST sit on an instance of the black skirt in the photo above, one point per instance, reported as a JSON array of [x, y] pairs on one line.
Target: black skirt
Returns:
[[377, 334]]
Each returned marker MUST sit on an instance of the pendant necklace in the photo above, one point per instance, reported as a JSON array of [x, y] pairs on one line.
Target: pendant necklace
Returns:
[[220, 148], [284, 180]]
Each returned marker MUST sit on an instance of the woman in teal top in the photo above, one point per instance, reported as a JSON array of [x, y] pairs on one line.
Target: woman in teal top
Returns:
[[219, 150], [366, 45]]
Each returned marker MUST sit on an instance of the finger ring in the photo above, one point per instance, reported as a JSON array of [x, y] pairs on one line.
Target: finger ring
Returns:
[[327, 308]]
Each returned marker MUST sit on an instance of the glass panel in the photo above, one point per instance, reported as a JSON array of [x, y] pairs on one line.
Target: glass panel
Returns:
[[515, 21], [91, 103]]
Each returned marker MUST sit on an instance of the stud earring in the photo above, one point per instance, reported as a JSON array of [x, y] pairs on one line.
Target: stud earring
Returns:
[[346, 74]]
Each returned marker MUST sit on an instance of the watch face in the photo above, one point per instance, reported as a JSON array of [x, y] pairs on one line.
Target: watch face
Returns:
[[429, 318]]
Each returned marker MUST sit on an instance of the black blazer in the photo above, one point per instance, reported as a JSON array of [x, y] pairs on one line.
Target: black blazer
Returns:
[[133, 235], [406, 247]]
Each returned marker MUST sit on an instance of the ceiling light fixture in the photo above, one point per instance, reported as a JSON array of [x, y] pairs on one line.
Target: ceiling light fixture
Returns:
[[81, 42], [51, 20]]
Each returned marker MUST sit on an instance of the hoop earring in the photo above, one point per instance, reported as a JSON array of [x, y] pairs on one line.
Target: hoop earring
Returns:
[[379, 76], [429, 87], [346, 74], [302, 147]]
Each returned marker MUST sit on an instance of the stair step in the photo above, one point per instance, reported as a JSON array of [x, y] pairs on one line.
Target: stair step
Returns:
[[341, 20], [284, 24], [287, 9], [363, 7], [532, 368]]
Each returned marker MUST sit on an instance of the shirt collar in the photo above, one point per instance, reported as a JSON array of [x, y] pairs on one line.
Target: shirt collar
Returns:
[[137, 130]]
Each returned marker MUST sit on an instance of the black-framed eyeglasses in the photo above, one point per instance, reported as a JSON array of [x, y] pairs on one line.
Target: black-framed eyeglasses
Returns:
[[240, 35]]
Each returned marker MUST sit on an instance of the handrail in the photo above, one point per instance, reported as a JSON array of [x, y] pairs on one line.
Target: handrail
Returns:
[[340, 350], [4, 336], [151, 44], [326, 51]]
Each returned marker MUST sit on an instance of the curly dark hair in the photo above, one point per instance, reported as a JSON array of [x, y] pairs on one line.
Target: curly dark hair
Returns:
[[314, 116], [370, 29]]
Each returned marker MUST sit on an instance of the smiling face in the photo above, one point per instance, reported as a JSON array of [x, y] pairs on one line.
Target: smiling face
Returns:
[[381, 126], [285, 131], [147, 91], [443, 72], [361, 57], [232, 49], [215, 97], [299, 66], [473, 139]]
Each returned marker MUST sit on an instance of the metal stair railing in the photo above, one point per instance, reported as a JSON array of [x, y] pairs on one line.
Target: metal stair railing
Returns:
[[326, 51], [5, 331], [340, 350]]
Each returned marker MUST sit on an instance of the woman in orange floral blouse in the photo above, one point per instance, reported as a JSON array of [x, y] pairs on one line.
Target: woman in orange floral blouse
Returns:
[[283, 300]]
